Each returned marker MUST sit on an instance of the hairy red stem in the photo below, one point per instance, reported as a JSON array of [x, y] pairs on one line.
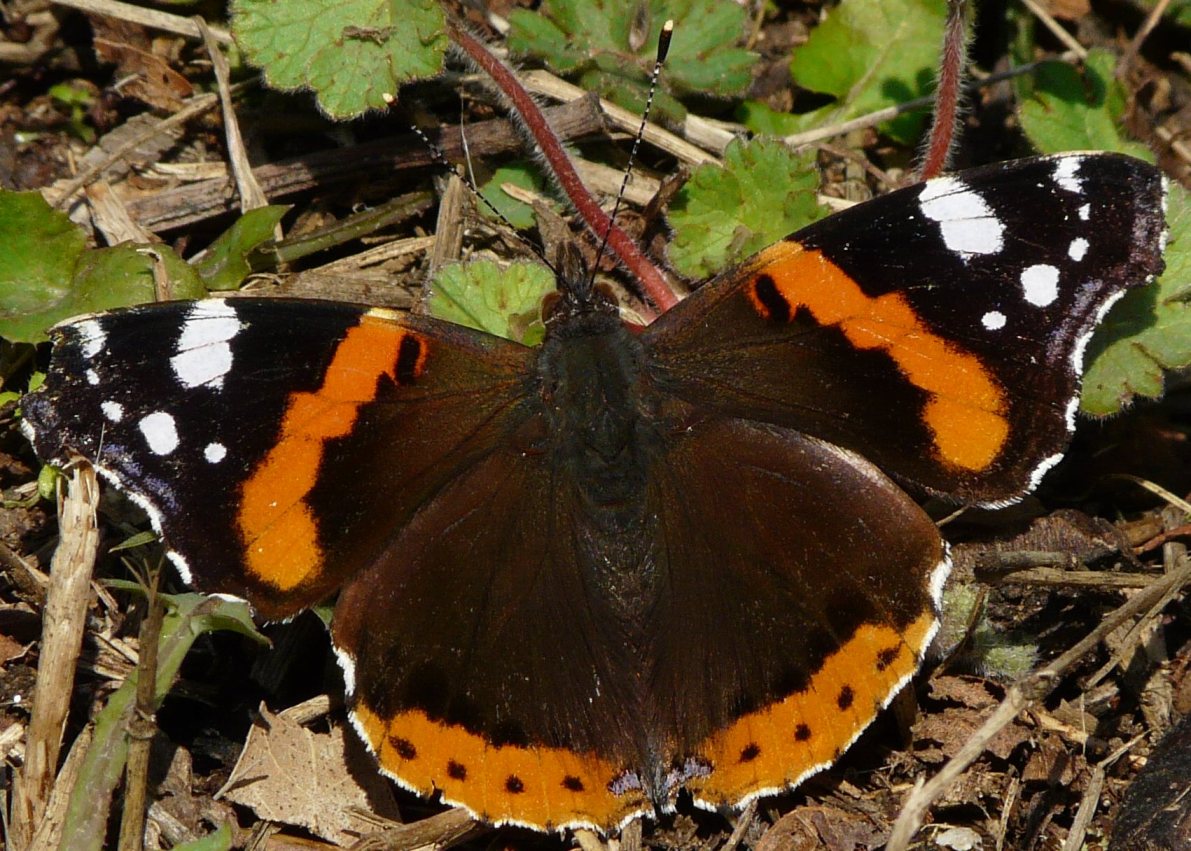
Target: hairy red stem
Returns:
[[947, 94], [653, 283]]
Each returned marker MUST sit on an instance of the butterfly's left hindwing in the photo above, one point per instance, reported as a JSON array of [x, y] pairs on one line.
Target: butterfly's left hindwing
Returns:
[[938, 330], [274, 443]]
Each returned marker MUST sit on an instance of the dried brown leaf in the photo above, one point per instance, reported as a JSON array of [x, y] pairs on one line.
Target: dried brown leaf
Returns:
[[292, 775], [940, 735], [147, 76], [821, 826], [1052, 763]]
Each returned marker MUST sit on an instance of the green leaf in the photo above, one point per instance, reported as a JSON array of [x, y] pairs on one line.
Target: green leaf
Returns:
[[872, 54], [983, 646], [1069, 109], [763, 192], [220, 840], [47, 482], [1148, 331], [519, 214], [350, 52], [37, 246], [224, 265], [140, 539], [505, 301], [47, 274], [764, 120], [611, 44]]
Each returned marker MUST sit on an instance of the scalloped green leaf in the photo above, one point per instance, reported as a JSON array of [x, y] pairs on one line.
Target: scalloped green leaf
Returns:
[[502, 300], [47, 273], [611, 45], [1065, 108], [871, 54], [763, 192], [1149, 330], [351, 53]]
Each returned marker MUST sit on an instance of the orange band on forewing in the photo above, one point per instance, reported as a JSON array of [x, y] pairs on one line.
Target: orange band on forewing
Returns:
[[966, 411], [808, 730], [277, 526], [542, 787]]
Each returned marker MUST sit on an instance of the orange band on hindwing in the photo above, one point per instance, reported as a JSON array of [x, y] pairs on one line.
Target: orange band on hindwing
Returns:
[[277, 526], [966, 412], [544, 787], [785, 742]]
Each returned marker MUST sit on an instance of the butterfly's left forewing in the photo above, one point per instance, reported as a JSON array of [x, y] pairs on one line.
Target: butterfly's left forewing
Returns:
[[939, 330], [275, 444]]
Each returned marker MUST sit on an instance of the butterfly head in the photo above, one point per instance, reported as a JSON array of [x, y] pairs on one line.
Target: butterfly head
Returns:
[[578, 299]]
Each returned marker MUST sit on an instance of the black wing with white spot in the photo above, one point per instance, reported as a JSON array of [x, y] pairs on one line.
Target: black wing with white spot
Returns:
[[939, 330]]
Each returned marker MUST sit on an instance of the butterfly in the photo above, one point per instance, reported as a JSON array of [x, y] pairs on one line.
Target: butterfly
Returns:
[[578, 579]]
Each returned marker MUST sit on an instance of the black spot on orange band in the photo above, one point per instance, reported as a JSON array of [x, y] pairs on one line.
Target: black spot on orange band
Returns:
[[404, 748], [536, 785], [846, 696], [841, 698]]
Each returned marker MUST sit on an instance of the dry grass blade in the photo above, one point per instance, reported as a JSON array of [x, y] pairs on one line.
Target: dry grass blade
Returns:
[[251, 194], [63, 621], [145, 17]]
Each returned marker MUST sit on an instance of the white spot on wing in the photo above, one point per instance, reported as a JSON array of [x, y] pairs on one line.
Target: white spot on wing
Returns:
[[214, 452], [1043, 468], [1162, 237], [92, 377], [1081, 344], [1067, 173], [968, 224], [938, 579], [1069, 414], [1040, 284], [203, 354], [181, 566], [348, 665], [114, 411], [994, 320], [1078, 249], [160, 431], [92, 337], [1085, 212]]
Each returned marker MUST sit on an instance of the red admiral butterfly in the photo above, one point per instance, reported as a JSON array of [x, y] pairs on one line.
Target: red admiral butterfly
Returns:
[[578, 579]]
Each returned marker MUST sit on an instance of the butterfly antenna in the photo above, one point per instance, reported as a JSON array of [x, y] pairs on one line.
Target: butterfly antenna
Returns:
[[469, 180], [663, 49]]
